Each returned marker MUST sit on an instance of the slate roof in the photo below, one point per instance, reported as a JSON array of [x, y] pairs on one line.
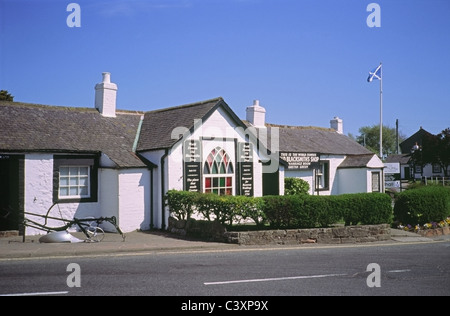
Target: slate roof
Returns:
[[156, 132], [356, 161], [402, 158], [316, 140], [39, 128], [408, 144]]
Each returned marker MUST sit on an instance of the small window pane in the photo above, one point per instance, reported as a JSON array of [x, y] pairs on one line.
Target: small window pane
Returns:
[[73, 171], [84, 171], [64, 191], [74, 191], [84, 182], [74, 181], [64, 171], [64, 181]]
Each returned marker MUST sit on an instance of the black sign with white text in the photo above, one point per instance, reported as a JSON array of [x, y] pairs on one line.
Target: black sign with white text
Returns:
[[301, 161], [192, 166], [245, 161]]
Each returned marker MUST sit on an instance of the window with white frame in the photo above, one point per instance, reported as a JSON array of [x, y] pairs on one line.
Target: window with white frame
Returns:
[[323, 176], [74, 182], [376, 182], [437, 168], [75, 179]]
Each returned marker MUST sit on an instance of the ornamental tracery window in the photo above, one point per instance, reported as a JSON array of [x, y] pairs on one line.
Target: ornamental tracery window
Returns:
[[218, 173]]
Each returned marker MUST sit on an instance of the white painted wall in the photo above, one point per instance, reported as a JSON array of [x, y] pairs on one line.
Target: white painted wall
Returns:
[[353, 180], [108, 195], [309, 175], [39, 195], [218, 130], [134, 199]]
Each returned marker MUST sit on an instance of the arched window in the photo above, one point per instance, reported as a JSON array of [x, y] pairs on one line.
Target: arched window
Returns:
[[218, 172]]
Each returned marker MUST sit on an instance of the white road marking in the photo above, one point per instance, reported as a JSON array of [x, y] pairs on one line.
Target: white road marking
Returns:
[[36, 294], [399, 271], [275, 279]]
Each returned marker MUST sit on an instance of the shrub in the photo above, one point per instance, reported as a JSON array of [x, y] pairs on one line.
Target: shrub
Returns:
[[252, 208], [422, 205], [295, 186], [181, 204], [366, 208], [279, 210], [291, 211]]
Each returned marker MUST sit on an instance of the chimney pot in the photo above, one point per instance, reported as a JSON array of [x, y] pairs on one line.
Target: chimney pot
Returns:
[[106, 77], [256, 115]]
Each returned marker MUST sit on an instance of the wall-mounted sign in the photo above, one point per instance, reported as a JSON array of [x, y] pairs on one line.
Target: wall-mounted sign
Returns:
[[301, 161], [245, 162], [192, 165]]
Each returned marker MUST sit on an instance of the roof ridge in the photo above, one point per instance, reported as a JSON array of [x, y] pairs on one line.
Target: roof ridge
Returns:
[[186, 105], [66, 108], [300, 127]]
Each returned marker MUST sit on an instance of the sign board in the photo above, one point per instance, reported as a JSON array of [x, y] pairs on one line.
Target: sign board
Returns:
[[245, 162], [392, 167], [392, 175], [192, 166], [301, 161], [392, 184]]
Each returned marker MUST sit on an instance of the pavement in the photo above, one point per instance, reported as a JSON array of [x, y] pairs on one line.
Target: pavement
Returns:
[[148, 242]]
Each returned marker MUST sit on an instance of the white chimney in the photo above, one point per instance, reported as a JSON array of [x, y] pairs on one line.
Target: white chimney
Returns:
[[256, 115], [338, 125], [105, 96]]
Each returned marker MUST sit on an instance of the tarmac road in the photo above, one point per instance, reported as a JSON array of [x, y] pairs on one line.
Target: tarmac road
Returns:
[[419, 268]]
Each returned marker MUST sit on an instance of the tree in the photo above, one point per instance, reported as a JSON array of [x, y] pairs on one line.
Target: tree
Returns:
[[6, 96], [435, 150], [370, 138]]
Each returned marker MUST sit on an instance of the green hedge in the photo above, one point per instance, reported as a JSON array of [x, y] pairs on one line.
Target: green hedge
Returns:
[[422, 205], [291, 211]]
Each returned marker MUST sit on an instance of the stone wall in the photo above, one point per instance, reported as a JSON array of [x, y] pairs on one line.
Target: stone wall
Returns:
[[213, 231], [204, 230], [337, 235], [435, 232]]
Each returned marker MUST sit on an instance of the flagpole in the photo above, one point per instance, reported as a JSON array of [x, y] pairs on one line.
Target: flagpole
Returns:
[[381, 113]]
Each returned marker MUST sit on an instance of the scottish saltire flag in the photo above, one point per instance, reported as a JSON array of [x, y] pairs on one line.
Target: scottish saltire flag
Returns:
[[375, 74]]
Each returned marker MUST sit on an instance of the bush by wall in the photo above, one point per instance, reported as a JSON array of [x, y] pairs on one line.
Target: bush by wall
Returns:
[[295, 186], [291, 211], [422, 205]]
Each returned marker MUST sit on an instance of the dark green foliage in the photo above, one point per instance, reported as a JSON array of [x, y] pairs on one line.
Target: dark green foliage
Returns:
[[181, 203], [291, 211], [422, 205], [295, 186], [6, 96], [365, 208]]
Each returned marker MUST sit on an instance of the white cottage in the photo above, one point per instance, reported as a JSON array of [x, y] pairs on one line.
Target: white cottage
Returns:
[[103, 162]]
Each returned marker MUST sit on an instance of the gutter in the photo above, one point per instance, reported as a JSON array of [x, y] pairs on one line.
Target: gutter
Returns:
[[138, 133]]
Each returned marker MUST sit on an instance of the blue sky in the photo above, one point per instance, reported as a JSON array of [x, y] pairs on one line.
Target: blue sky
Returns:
[[305, 60]]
